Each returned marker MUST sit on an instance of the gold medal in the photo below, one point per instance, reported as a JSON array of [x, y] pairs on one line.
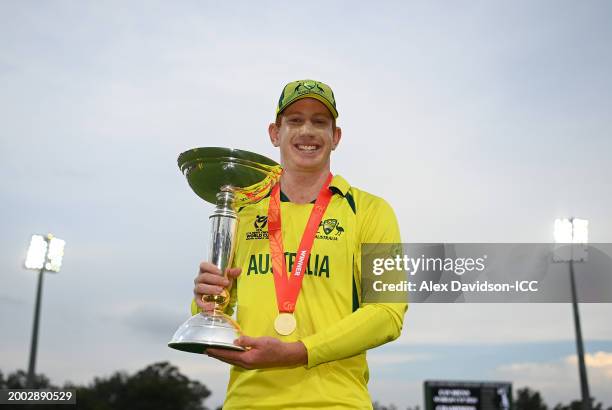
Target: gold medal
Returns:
[[285, 324]]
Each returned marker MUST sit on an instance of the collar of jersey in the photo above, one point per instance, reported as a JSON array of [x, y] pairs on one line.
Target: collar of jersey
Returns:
[[338, 185]]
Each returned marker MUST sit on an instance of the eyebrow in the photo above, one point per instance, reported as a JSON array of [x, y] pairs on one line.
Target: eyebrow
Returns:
[[322, 113]]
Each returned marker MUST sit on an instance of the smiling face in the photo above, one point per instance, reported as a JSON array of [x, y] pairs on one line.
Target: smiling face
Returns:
[[306, 136]]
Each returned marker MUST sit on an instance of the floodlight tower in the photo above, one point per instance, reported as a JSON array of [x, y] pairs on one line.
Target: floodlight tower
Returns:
[[575, 231], [44, 254]]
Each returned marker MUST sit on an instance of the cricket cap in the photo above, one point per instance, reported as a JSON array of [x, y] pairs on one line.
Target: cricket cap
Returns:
[[297, 90]]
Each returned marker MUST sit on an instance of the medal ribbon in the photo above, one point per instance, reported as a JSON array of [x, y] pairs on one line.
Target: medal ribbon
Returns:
[[288, 287]]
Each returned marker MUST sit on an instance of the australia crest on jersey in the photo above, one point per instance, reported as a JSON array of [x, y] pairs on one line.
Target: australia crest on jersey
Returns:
[[329, 229]]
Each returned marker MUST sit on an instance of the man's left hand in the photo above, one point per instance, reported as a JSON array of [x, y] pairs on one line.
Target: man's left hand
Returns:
[[263, 352]]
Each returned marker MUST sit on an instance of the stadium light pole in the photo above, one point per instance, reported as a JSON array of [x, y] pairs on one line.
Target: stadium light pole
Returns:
[[575, 231], [45, 253]]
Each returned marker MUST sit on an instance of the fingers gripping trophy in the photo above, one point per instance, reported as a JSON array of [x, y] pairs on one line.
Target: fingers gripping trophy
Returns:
[[229, 179]]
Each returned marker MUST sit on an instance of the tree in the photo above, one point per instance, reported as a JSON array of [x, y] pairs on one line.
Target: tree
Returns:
[[577, 405], [17, 380], [527, 399], [158, 386], [378, 406]]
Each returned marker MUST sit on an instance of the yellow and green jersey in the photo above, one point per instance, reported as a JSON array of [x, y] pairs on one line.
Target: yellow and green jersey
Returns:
[[331, 321]]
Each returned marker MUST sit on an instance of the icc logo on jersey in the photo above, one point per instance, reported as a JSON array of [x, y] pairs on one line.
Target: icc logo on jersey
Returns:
[[260, 223]]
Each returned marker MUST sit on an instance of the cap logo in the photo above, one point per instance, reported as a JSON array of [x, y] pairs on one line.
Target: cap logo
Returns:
[[309, 87], [310, 84]]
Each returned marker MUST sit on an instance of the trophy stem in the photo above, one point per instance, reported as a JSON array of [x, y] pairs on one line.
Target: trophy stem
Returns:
[[224, 223]]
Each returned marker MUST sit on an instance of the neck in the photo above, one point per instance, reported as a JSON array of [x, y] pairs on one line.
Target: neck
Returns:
[[303, 187]]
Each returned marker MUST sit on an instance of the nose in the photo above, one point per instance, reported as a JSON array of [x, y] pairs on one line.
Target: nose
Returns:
[[307, 130]]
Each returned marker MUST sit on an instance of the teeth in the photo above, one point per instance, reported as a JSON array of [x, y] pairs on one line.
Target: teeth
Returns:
[[307, 147]]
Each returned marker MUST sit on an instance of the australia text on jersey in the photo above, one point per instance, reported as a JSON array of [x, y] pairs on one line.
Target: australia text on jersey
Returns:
[[318, 265]]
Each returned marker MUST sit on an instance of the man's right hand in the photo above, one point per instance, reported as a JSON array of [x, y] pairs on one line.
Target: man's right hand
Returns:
[[210, 281]]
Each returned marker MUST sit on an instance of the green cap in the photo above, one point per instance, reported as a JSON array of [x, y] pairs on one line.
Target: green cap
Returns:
[[297, 90]]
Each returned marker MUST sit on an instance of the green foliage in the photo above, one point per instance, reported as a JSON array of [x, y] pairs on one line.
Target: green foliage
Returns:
[[17, 380], [527, 399], [577, 405], [159, 386], [378, 406]]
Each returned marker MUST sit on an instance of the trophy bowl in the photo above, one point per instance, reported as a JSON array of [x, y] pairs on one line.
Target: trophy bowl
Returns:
[[210, 169]]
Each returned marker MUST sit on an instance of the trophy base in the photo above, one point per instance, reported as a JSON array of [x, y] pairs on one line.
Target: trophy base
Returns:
[[205, 330], [200, 347]]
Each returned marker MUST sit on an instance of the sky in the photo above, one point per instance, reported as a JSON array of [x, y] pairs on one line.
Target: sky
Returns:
[[477, 121]]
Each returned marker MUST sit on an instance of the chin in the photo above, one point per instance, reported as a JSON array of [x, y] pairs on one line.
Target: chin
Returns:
[[310, 165]]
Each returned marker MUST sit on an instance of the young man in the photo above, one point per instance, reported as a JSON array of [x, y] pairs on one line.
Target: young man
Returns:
[[307, 336]]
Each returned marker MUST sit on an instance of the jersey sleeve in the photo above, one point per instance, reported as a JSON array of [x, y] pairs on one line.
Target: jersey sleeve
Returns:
[[372, 324]]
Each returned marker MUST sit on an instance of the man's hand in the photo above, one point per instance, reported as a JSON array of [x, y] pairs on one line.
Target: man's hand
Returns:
[[263, 352], [210, 281]]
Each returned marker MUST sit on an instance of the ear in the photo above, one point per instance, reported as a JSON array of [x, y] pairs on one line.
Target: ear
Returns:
[[336, 138], [273, 133]]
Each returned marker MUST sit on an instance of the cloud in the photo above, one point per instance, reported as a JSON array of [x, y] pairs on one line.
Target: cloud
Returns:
[[599, 360], [559, 378]]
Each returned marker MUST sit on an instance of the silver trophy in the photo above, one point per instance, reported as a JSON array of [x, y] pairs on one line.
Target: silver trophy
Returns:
[[228, 178]]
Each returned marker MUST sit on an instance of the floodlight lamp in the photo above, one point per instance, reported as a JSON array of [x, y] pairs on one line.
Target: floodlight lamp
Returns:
[[581, 230], [35, 258], [55, 254], [563, 231]]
